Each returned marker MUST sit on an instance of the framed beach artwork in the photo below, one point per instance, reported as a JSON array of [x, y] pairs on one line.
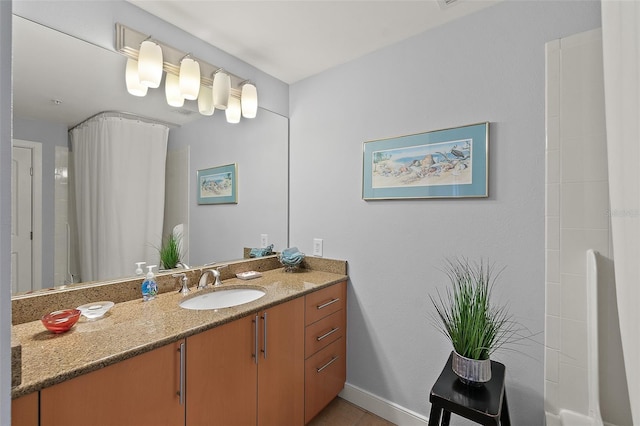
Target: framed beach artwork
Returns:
[[218, 185], [449, 163]]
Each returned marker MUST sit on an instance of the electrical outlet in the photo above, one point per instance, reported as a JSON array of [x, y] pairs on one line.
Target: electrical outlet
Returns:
[[264, 240], [317, 247]]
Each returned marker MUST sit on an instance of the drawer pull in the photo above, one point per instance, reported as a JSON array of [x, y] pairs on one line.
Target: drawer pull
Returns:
[[330, 302], [328, 333], [331, 361]]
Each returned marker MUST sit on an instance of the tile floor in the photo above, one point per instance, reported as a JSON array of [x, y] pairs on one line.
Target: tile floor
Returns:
[[342, 413]]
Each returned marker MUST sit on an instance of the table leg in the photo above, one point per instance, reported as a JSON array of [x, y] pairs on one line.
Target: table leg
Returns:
[[446, 417], [504, 413], [434, 416]]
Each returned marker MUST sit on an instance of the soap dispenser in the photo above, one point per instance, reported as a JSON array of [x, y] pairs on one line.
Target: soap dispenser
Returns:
[[149, 285], [139, 270]]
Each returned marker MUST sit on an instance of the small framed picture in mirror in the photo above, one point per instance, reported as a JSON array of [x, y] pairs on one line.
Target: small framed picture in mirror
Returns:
[[218, 185]]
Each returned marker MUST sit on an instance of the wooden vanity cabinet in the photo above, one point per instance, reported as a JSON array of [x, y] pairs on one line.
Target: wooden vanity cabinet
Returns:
[[24, 410], [249, 371], [325, 347], [222, 375], [280, 366], [143, 390]]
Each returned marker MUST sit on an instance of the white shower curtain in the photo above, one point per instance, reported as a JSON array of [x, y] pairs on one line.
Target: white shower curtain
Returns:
[[621, 54], [119, 182]]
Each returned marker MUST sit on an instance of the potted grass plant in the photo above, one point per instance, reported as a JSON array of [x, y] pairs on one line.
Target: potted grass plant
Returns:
[[467, 316], [170, 252]]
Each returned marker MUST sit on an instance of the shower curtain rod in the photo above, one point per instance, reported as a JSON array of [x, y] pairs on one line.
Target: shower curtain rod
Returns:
[[131, 115]]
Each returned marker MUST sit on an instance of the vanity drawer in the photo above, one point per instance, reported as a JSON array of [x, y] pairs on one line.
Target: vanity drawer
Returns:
[[323, 332], [325, 302], [325, 374]]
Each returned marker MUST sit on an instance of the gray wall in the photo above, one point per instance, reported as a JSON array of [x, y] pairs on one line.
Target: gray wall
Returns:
[[259, 146], [5, 212], [486, 67], [50, 135]]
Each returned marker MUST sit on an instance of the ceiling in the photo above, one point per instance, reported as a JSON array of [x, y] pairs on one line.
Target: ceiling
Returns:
[[295, 39], [79, 81], [290, 40]]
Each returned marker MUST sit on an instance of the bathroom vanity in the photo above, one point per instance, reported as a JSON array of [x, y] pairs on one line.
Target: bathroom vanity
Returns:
[[277, 360]]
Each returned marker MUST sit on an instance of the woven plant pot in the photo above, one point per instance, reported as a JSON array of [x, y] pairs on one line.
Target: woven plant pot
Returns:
[[473, 372]]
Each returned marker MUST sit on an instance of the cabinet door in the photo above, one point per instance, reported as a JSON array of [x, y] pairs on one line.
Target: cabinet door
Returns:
[[222, 375], [281, 365], [143, 390], [24, 410], [325, 374]]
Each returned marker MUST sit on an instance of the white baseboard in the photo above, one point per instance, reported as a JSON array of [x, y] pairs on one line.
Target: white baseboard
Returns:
[[381, 407]]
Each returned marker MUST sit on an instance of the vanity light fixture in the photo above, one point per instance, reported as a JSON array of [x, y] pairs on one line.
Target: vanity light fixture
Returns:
[[233, 111], [189, 78], [134, 86], [249, 100], [150, 64], [205, 101], [172, 91], [221, 89], [186, 76]]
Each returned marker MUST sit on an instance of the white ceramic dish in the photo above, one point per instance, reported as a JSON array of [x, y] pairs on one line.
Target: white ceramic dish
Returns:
[[96, 309], [248, 275]]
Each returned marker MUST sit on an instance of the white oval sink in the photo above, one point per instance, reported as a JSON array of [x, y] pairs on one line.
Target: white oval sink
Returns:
[[224, 298]]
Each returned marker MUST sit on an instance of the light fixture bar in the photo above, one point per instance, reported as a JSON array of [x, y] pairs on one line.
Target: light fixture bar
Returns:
[[128, 42]]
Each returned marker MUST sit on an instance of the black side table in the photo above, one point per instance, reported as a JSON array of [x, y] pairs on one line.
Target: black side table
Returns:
[[486, 405]]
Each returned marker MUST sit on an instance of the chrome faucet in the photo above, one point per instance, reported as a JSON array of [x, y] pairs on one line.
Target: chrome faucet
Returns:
[[182, 265], [203, 278], [185, 283], [215, 274]]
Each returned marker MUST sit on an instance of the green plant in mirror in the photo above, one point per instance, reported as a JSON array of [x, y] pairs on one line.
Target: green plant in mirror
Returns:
[[170, 252], [465, 313]]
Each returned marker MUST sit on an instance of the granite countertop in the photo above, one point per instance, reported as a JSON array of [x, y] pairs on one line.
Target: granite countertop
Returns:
[[134, 327]]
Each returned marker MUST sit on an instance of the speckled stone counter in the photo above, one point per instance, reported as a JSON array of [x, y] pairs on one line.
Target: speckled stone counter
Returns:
[[16, 361], [133, 327]]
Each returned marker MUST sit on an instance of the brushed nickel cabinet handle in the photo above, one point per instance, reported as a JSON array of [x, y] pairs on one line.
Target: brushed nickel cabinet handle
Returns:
[[255, 338], [264, 330], [330, 302], [182, 373], [331, 361], [328, 333]]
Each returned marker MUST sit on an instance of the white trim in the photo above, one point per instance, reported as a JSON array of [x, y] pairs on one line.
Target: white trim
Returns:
[[36, 259], [382, 407]]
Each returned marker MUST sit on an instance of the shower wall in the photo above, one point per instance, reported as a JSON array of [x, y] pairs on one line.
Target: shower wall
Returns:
[[577, 218]]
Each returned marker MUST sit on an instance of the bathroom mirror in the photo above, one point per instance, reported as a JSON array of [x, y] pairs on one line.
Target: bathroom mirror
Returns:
[[59, 81]]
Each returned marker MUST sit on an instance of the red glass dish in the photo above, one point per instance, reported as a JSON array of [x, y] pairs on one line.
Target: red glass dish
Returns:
[[61, 321]]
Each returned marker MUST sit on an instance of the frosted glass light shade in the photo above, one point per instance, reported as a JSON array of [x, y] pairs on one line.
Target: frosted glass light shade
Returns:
[[249, 100], [205, 101], [134, 87], [150, 64], [221, 89], [172, 91], [189, 78], [233, 111]]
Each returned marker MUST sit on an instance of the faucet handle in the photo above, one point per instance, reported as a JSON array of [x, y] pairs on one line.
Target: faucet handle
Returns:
[[216, 274], [185, 283]]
